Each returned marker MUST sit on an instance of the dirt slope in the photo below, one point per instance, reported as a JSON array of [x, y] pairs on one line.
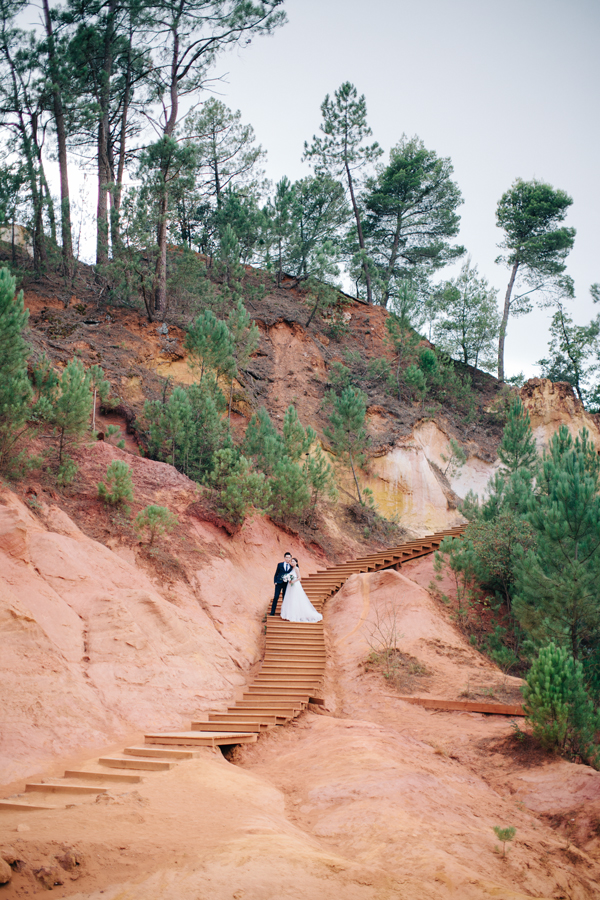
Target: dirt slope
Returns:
[[99, 641], [372, 798]]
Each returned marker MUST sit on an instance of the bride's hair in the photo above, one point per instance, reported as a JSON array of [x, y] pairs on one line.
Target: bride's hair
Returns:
[[296, 561]]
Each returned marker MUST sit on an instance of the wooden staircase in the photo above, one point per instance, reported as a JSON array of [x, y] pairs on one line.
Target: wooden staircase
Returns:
[[290, 678]]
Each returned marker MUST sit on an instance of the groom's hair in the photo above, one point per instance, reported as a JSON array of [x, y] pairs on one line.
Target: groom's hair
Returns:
[[287, 553]]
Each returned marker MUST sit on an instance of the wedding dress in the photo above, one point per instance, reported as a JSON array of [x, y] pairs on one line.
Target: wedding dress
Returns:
[[296, 606]]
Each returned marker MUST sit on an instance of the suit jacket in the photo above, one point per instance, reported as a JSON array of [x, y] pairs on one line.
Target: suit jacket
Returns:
[[280, 572]]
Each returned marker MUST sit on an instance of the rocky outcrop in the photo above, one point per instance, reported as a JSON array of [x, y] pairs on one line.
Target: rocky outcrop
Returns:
[[552, 404]]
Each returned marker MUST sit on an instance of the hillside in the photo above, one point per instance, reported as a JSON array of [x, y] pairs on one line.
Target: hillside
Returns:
[[105, 637]]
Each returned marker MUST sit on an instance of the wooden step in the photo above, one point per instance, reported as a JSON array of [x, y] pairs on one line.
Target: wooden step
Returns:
[[276, 694], [200, 739], [276, 707], [306, 643], [23, 804], [291, 683], [161, 752], [283, 659], [249, 718], [104, 776], [289, 702], [289, 679], [152, 765], [43, 787], [230, 726], [294, 666]]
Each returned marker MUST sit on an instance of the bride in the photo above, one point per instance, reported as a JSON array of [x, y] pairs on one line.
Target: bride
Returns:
[[296, 606]]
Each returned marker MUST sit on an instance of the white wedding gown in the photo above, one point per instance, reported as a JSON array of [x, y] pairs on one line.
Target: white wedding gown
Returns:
[[296, 606]]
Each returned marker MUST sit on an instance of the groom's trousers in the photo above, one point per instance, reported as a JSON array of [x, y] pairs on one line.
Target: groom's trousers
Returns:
[[280, 588]]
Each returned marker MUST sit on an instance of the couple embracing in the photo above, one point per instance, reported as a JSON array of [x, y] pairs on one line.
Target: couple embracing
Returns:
[[295, 605]]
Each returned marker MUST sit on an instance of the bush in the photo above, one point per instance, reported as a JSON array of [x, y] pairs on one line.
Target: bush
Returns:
[[155, 520], [558, 706], [290, 493], [505, 835], [15, 390], [118, 487], [186, 429], [239, 487]]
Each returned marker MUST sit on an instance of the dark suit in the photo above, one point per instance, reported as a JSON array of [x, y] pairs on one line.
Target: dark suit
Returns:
[[280, 585]]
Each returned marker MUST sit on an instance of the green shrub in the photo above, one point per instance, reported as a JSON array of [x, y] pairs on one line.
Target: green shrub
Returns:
[[504, 835], [15, 390], [118, 487], [290, 493], [155, 520], [558, 706], [415, 379], [187, 428], [66, 471], [239, 488]]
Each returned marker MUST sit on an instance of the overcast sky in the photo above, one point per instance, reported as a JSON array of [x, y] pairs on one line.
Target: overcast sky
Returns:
[[505, 88]]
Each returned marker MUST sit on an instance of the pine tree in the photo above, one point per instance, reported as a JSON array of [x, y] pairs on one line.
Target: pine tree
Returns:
[[155, 520], [290, 494], [530, 214], [296, 438], [557, 594], [517, 448], [187, 429], [347, 431], [319, 475], [468, 321], [118, 487], [246, 338], [410, 217], [210, 345], [558, 706], [71, 407], [238, 487], [15, 389], [342, 151], [573, 353], [262, 442]]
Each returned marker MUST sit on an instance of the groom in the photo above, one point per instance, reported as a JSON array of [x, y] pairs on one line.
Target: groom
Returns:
[[283, 568]]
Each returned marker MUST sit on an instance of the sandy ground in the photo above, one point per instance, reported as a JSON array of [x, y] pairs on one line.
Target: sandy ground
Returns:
[[367, 797]]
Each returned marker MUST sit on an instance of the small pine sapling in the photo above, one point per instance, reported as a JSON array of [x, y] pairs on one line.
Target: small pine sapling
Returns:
[[71, 406], [347, 432], [505, 835], [559, 707], [455, 459], [155, 520], [118, 487]]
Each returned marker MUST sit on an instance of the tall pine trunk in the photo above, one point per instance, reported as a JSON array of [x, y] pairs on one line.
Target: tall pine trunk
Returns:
[[359, 231], [117, 192], [504, 323], [160, 272], [392, 262], [61, 135], [104, 173]]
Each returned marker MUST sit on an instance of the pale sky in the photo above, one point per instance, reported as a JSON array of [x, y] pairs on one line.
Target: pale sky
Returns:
[[505, 88]]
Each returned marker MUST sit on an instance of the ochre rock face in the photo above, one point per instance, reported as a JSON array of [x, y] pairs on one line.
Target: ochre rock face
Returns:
[[412, 483], [95, 645], [552, 404]]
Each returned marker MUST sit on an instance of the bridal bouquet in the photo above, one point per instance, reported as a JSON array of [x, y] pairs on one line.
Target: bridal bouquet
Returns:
[[289, 577]]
